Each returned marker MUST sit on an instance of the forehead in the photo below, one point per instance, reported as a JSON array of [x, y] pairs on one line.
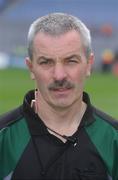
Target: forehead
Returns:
[[61, 44]]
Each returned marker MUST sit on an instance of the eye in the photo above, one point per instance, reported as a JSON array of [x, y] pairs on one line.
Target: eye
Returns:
[[72, 60], [46, 62]]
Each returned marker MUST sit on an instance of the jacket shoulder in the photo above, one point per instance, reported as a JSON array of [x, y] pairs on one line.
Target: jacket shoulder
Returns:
[[11, 117], [104, 116]]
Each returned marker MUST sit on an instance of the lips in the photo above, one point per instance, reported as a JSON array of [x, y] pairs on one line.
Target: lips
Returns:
[[61, 89]]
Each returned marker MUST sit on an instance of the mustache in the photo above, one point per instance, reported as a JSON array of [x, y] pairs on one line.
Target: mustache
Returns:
[[60, 84]]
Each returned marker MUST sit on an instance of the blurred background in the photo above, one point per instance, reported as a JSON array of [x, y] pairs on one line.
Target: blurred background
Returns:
[[100, 16]]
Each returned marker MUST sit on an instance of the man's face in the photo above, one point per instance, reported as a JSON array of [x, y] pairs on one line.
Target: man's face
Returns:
[[60, 68]]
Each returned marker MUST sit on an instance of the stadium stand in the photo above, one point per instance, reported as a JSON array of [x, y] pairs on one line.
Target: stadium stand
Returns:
[[15, 21]]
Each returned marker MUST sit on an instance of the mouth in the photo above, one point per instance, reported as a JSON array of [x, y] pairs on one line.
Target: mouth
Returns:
[[61, 90], [60, 86]]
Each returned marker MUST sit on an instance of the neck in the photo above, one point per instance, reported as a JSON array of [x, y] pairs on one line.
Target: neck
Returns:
[[62, 120]]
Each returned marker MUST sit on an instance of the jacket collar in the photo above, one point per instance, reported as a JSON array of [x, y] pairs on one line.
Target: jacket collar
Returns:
[[36, 125]]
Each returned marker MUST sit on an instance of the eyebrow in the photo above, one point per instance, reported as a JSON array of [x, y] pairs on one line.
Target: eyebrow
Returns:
[[44, 57], [73, 56], [68, 57]]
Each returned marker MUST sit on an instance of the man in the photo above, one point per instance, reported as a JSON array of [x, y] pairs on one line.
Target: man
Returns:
[[57, 133]]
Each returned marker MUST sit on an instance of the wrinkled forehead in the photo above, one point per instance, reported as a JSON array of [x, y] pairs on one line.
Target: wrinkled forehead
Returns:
[[68, 42]]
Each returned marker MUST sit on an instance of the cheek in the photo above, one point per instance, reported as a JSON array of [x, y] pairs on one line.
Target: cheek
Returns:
[[79, 75], [42, 80]]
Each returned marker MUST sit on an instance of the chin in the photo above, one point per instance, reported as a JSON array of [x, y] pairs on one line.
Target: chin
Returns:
[[61, 104]]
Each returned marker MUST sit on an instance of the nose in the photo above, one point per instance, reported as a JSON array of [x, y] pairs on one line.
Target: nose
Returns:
[[59, 72]]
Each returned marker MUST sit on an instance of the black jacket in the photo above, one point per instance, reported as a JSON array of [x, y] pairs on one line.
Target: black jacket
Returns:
[[29, 151]]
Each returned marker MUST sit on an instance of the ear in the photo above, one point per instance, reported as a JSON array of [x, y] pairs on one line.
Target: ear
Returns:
[[89, 65], [30, 67]]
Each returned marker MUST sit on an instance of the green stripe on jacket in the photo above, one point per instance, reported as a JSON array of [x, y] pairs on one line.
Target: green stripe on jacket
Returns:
[[13, 140], [105, 138]]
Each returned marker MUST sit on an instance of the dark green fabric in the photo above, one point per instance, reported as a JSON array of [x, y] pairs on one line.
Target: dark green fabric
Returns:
[[105, 138], [13, 140]]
